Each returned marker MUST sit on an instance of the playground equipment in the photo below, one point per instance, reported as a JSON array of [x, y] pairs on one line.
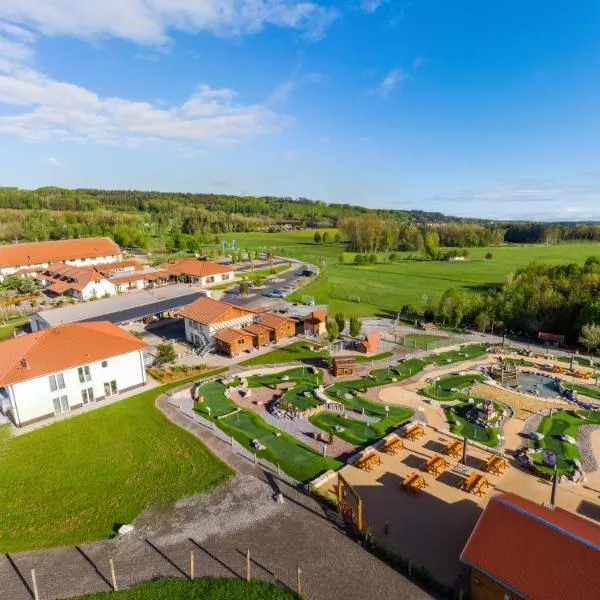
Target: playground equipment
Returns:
[[504, 371], [350, 504]]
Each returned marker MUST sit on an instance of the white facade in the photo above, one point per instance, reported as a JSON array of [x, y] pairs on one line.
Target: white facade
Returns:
[[77, 262], [40, 398], [96, 289], [212, 279]]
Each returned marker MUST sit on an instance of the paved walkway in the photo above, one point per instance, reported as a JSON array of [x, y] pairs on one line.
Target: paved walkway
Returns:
[[219, 527]]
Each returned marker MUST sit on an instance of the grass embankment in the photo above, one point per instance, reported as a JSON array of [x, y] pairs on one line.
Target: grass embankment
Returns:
[[8, 327], [199, 589], [459, 425], [73, 481], [295, 458], [584, 390], [564, 422], [297, 351]]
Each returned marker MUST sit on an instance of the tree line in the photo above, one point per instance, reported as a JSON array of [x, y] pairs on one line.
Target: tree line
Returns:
[[559, 299]]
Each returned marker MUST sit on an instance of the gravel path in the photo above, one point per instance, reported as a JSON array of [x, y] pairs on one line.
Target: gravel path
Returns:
[[585, 444]]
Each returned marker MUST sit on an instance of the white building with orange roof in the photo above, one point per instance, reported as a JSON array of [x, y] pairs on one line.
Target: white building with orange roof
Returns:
[[83, 283], [198, 272], [36, 256], [57, 370]]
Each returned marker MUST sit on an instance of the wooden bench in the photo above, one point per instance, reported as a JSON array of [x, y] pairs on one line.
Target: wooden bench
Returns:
[[368, 461], [454, 448], [413, 482], [475, 483], [435, 465], [392, 445], [494, 464], [414, 432]]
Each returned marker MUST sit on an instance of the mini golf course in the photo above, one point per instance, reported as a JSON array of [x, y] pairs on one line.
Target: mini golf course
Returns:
[[562, 423], [460, 425], [445, 388]]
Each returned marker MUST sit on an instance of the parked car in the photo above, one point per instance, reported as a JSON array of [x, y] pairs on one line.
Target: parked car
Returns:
[[275, 294]]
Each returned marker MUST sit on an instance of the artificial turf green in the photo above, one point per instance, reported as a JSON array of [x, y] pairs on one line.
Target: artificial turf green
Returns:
[[300, 351], [442, 389], [460, 426]]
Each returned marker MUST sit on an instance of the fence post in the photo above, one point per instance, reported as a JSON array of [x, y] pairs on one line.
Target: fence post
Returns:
[[36, 594], [113, 575], [298, 581], [191, 564], [232, 441], [255, 458], [248, 564]]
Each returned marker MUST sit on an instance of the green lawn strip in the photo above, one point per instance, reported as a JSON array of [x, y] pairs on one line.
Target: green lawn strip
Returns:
[[297, 396], [72, 481], [7, 328], [266, 272], [207, 588], [460, 426], [364, 358], [297, 351], [564, 422], [296, 459], [584, 390], [580, 360], [425, 341], [442, 390]]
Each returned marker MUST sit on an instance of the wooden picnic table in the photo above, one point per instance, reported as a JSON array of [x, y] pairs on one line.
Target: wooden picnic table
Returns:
[[494, 464], [368, 461], [413, 483], [475, 483], [393, 445], [454, 448], [435, 465], [414, 432]]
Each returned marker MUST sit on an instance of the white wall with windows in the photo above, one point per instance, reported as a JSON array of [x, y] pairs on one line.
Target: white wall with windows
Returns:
[[57, 393], [212, 279]]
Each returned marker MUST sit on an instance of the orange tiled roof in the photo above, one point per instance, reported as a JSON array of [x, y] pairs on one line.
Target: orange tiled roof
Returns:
[[256, 328], [14, 255], [272, 320], [371, 341], [66, 277], [536, 551], [317, 316], [129, 264], [229, 335], [194, 267], [63, 347], [208, 311]]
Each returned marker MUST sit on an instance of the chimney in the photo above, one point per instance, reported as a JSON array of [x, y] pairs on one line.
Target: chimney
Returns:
[[25, 363]]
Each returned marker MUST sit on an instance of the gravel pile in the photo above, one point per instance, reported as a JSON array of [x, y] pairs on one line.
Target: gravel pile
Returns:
[[589, 462]]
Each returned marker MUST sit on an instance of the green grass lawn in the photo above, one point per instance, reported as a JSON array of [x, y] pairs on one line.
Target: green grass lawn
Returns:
[[7, 328], [564, 422], [355, 431], [297, 374], [468, 352], [296, 459], [442, 389], [199, 589], [214, 399], [584, 390], [364, 358], [300, 351], [460, 426], [301, 396], [72, 481], [424, 341]]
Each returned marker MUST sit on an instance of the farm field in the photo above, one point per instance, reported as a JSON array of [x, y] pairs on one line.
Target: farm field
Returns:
[[72, 481], [199, 589], [377, 285]]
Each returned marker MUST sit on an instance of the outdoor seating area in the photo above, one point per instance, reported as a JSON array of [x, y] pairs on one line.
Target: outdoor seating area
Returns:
[[435, 465], [368, 461], [413, 483], [414, 432], [475, 483], [454, 448], [392, 445], [494, 465]]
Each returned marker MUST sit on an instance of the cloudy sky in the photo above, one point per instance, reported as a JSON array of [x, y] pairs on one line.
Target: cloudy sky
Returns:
[[471, 108]]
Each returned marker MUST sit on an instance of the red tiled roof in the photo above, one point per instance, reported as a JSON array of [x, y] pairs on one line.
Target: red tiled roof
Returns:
[[194, 267], [317, 316], [272, 320], [64, 277], [229, 335], [208, 311], [256, 328], [535, 551], [14, 255], [63, 347]]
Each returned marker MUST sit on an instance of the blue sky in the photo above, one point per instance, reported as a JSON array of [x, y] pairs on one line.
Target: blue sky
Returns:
[[474, 108]]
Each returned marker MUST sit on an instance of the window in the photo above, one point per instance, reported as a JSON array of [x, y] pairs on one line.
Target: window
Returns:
[[87, 395], [210, 279], [110, 388], [104, 364], [61, 405], [225, 276], [57, 382], [84, 374]]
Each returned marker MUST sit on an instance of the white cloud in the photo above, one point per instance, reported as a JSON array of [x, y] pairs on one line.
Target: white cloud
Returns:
[[148, 21], [284, 90], [52, 162], [394, 78], [370, 6]]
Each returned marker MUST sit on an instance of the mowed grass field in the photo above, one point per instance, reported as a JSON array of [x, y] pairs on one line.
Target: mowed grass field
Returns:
[[384, 288], [73, 481]]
